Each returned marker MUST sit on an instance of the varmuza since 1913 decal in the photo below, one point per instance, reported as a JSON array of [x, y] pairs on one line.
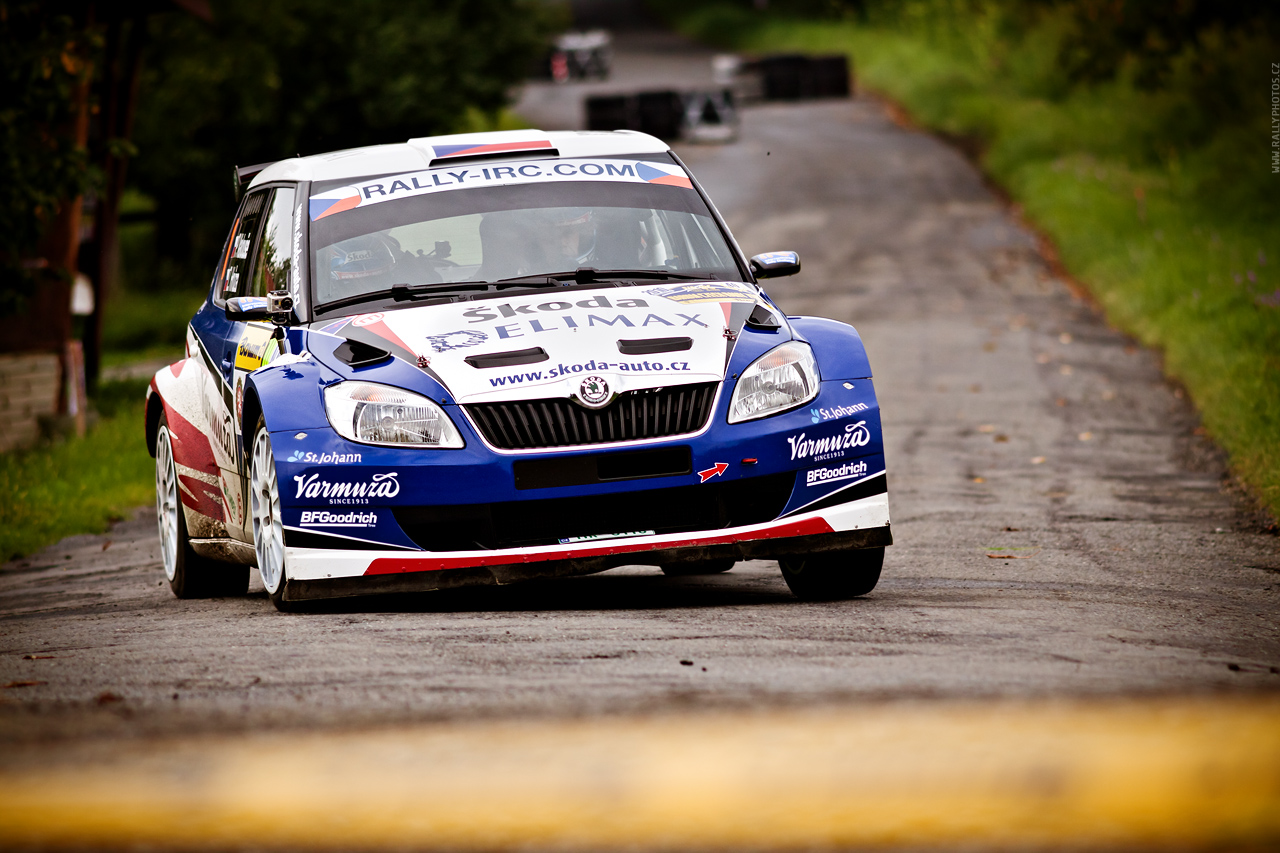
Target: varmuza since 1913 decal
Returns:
[[377, 486], [829, 446]]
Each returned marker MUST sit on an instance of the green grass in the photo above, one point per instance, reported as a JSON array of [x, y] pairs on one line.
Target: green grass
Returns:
[[140, 322], [78, 485], [1168, 215]]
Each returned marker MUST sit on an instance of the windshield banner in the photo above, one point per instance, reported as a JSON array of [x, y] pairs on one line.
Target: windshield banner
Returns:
[[496, 175]]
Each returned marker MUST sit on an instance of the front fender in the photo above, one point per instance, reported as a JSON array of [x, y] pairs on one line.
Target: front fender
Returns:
[[288, 396], [837, 346]]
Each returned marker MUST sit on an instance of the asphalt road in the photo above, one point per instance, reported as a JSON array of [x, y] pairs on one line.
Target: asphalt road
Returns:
[[1061, 530]]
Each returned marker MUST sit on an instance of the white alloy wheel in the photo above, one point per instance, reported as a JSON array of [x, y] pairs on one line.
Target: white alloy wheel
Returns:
[[268, 534], [167, 508]]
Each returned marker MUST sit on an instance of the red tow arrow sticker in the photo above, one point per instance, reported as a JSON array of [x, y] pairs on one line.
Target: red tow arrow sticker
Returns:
[[719, 469]]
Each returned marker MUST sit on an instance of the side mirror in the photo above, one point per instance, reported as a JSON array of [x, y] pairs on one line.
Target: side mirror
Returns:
[[775, 264], [275, 306], [248, 308]]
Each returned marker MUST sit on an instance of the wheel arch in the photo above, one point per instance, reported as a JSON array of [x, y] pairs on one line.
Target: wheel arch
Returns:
[[838, 347], [154, 408], [250, 414], [287, 397]]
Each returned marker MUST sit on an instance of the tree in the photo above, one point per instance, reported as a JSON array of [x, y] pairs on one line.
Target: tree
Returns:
[[270, 79], [46, 59]]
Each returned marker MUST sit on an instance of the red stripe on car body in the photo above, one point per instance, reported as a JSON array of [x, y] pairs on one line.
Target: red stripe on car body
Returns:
[[398, 564]]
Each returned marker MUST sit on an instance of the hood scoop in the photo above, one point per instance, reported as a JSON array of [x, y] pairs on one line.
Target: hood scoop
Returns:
[[762, 318], [508, 359], [358, 354], [654, 345]]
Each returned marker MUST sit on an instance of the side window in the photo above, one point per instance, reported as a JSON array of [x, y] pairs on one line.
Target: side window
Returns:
[[271, 267], [235, 260]]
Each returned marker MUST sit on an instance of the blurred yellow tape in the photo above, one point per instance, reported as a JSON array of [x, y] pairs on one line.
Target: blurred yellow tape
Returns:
[[1189, 773]]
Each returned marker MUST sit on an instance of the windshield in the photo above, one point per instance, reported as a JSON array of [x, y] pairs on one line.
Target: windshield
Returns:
[[542, 218]]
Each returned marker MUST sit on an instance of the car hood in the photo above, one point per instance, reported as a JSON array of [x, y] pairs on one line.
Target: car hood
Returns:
[[562, 343]]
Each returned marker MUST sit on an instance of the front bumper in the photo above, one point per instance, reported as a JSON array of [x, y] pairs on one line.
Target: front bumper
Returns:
[[316, 573]]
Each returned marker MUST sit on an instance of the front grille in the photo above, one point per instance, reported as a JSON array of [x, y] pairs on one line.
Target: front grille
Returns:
[[515, 524], [558, 422]]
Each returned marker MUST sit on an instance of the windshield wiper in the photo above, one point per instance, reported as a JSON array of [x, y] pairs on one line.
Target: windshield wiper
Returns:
[[582, 275], [585, 275], [403, 292]]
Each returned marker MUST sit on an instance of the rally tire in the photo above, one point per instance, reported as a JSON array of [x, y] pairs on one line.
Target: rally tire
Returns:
[[189, 574], [834, 575], [268, 527], [702, 567]]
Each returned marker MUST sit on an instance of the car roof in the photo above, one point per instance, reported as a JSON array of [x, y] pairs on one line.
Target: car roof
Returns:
[[417, 154]]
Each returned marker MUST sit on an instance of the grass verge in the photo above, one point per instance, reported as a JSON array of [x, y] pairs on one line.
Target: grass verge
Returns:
[[78, 485], [1167, 217]]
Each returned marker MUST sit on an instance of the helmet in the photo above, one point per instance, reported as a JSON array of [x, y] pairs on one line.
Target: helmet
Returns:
[[571, 233], [360, 257]]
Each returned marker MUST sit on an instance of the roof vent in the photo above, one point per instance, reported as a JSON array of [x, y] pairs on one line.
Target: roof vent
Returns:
[[468, 152]]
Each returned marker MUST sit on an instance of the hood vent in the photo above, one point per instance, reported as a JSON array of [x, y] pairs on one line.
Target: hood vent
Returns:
[[507, 154], [654, 345], [508, 359], [359, 354], [762, 318]]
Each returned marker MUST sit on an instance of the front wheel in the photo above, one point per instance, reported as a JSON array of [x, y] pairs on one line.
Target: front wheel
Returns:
[[268, 529], [834, 575], [189, 574]]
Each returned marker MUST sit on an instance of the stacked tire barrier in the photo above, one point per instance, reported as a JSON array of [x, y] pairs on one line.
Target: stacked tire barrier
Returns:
[[793, 77], [708, 115], [784, 77], [711, 115]]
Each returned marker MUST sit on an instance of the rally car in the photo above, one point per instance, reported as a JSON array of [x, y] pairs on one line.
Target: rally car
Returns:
[[484, 358]]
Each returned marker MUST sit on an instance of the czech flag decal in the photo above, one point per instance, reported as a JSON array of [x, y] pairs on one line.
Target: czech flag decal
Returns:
[[491, 148], [334, 201], [655, 175]]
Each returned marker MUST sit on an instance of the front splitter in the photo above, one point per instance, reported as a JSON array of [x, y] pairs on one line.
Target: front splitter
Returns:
[[317, 574]]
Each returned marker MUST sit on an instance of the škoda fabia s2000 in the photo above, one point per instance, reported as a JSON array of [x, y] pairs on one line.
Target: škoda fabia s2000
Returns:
[[493, 357]]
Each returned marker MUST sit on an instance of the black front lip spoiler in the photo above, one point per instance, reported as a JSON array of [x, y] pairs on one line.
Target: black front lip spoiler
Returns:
[[753, 549]]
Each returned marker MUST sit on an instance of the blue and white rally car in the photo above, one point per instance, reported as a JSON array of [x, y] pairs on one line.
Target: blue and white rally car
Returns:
[[486, 358]]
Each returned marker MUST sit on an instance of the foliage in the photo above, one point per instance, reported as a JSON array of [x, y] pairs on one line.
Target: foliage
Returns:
[[270, 79], [1157, 190], [44, 57], [79, 485], [1156, 37], [138, 321]]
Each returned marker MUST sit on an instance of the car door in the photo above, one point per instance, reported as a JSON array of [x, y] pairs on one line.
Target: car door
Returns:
[[218, 339]]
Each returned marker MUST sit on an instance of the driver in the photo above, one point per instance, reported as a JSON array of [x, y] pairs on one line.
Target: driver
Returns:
[[570, 238], [367, 256], [360, 264]]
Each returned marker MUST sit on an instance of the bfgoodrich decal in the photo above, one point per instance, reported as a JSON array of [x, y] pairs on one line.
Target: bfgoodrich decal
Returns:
[[324, 518], [835, 473], [377, 486], [829, 446]]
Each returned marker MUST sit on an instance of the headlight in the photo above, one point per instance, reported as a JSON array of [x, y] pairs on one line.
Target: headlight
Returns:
[[782, 378], [380, 414]]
